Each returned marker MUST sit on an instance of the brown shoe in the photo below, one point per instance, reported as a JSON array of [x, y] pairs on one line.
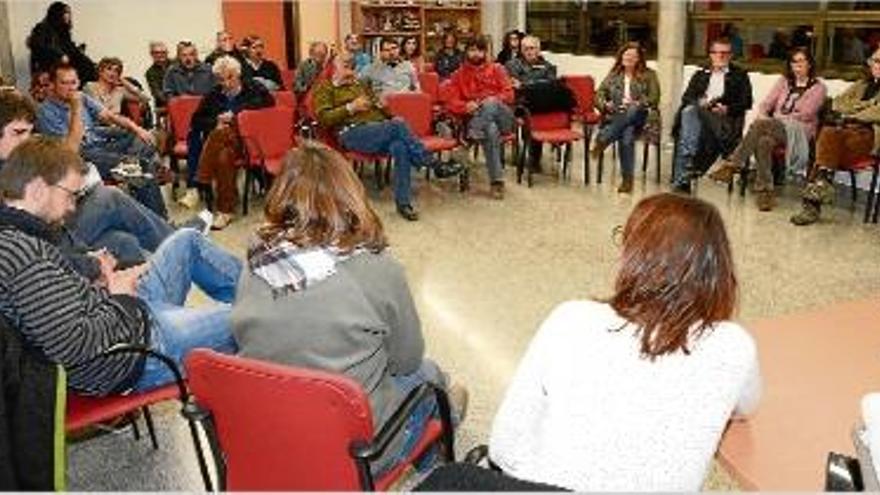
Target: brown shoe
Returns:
[[598, 148], [497, 190], [723, 170], [766, 200], [626, 186]]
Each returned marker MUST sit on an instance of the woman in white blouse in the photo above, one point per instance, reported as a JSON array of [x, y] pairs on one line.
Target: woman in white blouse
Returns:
[[634, 393]]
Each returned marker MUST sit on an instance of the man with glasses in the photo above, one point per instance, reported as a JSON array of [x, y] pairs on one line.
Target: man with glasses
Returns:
[[155, 74], [711, 117], [349, 108]]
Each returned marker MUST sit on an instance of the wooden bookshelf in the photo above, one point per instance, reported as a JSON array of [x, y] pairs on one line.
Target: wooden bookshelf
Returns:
[[426, 19]]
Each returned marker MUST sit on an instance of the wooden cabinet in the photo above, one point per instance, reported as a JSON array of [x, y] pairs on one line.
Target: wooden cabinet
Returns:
[[428, 20]]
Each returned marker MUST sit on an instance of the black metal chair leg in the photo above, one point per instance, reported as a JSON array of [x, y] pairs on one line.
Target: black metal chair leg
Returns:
[[645, 150], [248, 184], [588, 136], [852, 182], [872, 195], [657, 149], [600, 168], [151, 429], [135, 430]]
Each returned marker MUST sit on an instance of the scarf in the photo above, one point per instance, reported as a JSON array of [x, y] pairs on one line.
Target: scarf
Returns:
[[287, 268]]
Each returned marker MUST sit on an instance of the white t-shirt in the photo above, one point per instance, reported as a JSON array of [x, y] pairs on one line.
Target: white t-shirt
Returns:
[[584, 411]]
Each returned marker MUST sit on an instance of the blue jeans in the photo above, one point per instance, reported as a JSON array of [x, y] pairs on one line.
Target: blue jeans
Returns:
[[107, 153], [623, 127], [690, 129], [390, 137], [487, 125], [195, 141], [187, 257], [107, 217], [418, 420]]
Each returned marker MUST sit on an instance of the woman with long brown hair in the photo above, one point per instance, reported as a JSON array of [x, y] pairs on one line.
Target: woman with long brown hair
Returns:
[[634, 392], [628, 97], [321, 291]]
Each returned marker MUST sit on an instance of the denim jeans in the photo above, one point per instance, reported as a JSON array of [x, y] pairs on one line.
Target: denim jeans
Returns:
[[107, 217], [195, 141], [187, 257], [688, 143], [394, 138], [418, 420], [109, 152], [488, 124], [622, 127]]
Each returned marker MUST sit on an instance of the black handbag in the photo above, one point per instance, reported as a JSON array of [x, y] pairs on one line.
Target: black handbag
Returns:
[[843, 474]]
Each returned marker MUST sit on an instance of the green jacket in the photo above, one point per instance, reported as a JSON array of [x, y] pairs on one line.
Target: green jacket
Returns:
[[330, 105], [644, 89], [850, 104]]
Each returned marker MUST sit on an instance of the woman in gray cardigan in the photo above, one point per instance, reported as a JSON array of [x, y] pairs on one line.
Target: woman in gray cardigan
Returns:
[[321, 291]]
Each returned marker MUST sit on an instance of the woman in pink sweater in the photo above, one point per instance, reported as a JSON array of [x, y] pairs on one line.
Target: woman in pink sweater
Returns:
[[788, 117]]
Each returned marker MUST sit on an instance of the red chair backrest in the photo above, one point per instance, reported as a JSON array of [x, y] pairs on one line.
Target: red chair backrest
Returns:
[[284, 99], [430, 83], [584, 90], [414, 108], [550, 121], [281, 428], [180, 112], [287, 78], [268, 135], [428, 67]]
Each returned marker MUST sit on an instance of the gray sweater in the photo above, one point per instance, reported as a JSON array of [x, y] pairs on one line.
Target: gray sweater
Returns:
[[361, 321]]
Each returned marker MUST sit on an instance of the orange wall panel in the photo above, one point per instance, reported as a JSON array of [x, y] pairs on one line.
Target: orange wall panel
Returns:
[[263, 18]]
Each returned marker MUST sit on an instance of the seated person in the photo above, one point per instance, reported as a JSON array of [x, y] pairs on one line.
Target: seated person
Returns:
[[214, 119], [155, 74], [633, 393], [111, 89], [353, 45], [411, 52], [140, 305], [105, 217], [321, 291], [349, 108], [711, 117], [256, 67], [225, 47], [390, 74], [41, 86], [628, 95], [855, 134], [104, 146], [537, 88], [511, 48], [790, 109], [187, 75], [481, 92], [310, 69], [449, 57]]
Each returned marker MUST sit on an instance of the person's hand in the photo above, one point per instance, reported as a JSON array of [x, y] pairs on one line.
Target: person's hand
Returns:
[[471, 106], [720, 108], [75, 100], [145, 136], [225, 118], [361, 104], [125, 281], [106, 264], [515, 83]]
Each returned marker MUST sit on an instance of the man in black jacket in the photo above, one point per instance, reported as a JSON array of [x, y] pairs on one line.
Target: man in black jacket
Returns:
[[710, 120]]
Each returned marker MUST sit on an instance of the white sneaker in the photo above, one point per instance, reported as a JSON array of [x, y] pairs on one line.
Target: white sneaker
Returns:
[[207, 217], [221, 221], [190, 199]]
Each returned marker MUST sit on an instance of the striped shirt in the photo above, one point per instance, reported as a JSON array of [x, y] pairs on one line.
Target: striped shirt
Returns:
[[63, 315]]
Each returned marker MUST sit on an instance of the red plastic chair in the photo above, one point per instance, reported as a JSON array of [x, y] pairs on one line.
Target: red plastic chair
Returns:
[[298, 429], [553, 128], [584, 90], [268, 134], [863, 164], [284, 99], [84, 411], [287, 78], [430, 83], [180, 112]]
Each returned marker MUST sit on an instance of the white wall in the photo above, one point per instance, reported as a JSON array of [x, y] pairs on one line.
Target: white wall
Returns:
[[120, 28]]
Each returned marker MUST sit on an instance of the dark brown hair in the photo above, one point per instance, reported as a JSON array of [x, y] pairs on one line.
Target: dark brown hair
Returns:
[[38, 157], [318, 200], [799, 50], [677, 276], [478, 42], [110, 62], [618, 59], [15, 106]]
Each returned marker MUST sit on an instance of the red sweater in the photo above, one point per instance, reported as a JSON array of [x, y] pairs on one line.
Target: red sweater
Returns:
[[478, 82]]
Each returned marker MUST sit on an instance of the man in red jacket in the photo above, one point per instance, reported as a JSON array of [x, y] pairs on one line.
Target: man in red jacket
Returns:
[[481, 91]]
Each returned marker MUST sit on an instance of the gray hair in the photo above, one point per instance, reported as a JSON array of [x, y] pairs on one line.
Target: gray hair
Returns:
[[158, 44], [533, 40], [226, 64]]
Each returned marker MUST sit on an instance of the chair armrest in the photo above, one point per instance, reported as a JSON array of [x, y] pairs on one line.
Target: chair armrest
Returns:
[[125, 348], [367, 451]]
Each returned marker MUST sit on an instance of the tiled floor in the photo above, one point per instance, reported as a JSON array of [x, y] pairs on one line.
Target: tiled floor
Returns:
[[485, 273]]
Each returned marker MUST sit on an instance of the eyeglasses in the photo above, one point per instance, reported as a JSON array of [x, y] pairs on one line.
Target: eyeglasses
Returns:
[[75, 196]]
